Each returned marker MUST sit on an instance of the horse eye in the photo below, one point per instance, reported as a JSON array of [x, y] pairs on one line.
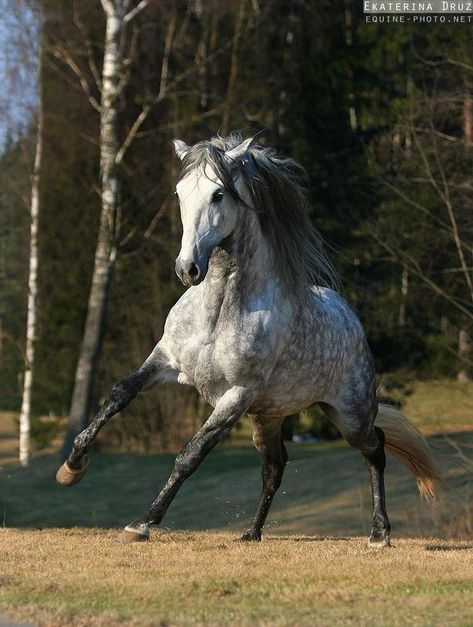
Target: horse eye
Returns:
[[217, 196]]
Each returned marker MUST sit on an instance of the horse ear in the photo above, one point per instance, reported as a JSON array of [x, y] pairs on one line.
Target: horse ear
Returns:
[[181, 148], [238, 151]]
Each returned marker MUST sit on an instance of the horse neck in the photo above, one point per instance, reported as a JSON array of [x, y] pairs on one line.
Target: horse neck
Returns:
[[242, 265]]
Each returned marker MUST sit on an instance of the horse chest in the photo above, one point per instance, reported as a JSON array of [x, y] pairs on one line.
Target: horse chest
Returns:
[[224, 348], [227, 351]]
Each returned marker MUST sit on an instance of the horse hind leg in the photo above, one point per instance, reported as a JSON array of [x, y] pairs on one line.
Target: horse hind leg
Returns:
[[267, 436], [359, 431]]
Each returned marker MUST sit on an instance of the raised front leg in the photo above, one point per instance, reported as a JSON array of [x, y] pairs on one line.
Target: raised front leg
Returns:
[[267, 437], [154, 370], [228, 410]]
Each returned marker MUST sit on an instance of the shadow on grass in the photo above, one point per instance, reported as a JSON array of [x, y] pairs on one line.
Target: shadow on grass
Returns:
[[325, 493], [449, 547]]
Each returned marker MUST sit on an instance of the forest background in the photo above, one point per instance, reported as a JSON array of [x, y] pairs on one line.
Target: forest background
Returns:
[[379, 115]]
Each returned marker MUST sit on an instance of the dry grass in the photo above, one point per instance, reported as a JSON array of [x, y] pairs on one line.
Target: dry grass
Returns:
[[79, 577]]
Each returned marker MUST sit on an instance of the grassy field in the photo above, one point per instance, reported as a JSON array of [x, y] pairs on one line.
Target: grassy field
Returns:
[[61, 565], [82, 577]]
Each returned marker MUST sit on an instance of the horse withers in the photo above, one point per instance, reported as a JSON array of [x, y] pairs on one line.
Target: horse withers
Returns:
[[262, 331]]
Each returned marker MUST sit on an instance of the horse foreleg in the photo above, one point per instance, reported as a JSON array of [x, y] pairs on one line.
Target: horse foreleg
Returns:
[[267, 437], [228, 410], [123, 392]]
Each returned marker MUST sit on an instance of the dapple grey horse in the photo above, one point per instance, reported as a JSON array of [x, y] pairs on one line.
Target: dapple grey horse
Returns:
[[261, 330]]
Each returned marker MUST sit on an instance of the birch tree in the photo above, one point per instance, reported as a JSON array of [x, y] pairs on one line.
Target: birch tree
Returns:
[[118, 15], [23, 33], [31, 318]]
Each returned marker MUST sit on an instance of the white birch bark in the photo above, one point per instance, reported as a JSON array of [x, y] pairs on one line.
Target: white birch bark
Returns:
[[465, 350], [25, 413], [106, 248]]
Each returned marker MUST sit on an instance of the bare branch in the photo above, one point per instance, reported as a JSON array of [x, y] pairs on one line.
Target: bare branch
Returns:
[[90, 53], [134, 12], [461, 64], [128, 61], [129, 236], [157, 217], [414, 267], [165, 88], [414, 204], [160, 96], [450, 138], [455, 230], [61, 53]]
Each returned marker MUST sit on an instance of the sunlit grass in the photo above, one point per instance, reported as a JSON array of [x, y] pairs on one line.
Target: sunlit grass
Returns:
[[83, 577]]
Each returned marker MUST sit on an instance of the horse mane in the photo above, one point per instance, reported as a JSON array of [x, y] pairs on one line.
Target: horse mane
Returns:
[[279, 199]]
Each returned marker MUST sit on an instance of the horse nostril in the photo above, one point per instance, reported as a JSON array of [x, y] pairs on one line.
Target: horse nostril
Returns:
[[193, 271]]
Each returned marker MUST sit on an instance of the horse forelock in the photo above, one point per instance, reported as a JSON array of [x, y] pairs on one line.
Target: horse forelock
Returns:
[[279, 199]]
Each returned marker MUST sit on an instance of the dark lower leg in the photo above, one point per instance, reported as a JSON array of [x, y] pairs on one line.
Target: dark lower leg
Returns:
[[376, 462], [269, 443], [225, 415], [121, 395], [186, 463]]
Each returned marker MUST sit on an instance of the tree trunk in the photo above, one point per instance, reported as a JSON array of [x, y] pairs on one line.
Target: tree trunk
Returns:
[[404, 292], [465, 349], [106, 250], [25, 413], [468, 119]]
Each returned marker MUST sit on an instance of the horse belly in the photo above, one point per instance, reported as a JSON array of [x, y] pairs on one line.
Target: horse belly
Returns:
[[288, 392]]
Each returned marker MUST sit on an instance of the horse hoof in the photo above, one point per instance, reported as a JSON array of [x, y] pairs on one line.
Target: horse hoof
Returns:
[[70, 476], [379, 543], [130, 535], [249, 536]]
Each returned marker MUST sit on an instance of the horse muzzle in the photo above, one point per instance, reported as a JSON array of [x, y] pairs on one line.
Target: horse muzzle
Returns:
[[190, 272]]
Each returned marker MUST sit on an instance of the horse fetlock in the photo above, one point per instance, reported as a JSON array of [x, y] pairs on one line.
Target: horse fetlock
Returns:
[[378, 542], [134, 533], [380, 536], [67, 475], [251, 535]]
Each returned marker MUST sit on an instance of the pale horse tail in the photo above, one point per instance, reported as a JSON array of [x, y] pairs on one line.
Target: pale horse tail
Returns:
[[408, 445]]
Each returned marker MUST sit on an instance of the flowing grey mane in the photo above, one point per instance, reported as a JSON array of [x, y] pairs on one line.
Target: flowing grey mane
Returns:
[[279, 199]]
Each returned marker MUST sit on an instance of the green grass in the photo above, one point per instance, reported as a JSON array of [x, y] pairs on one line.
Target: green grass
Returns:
[[325, 491]]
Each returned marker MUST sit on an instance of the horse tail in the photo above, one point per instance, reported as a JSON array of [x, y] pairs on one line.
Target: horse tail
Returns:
[[408, 445]]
